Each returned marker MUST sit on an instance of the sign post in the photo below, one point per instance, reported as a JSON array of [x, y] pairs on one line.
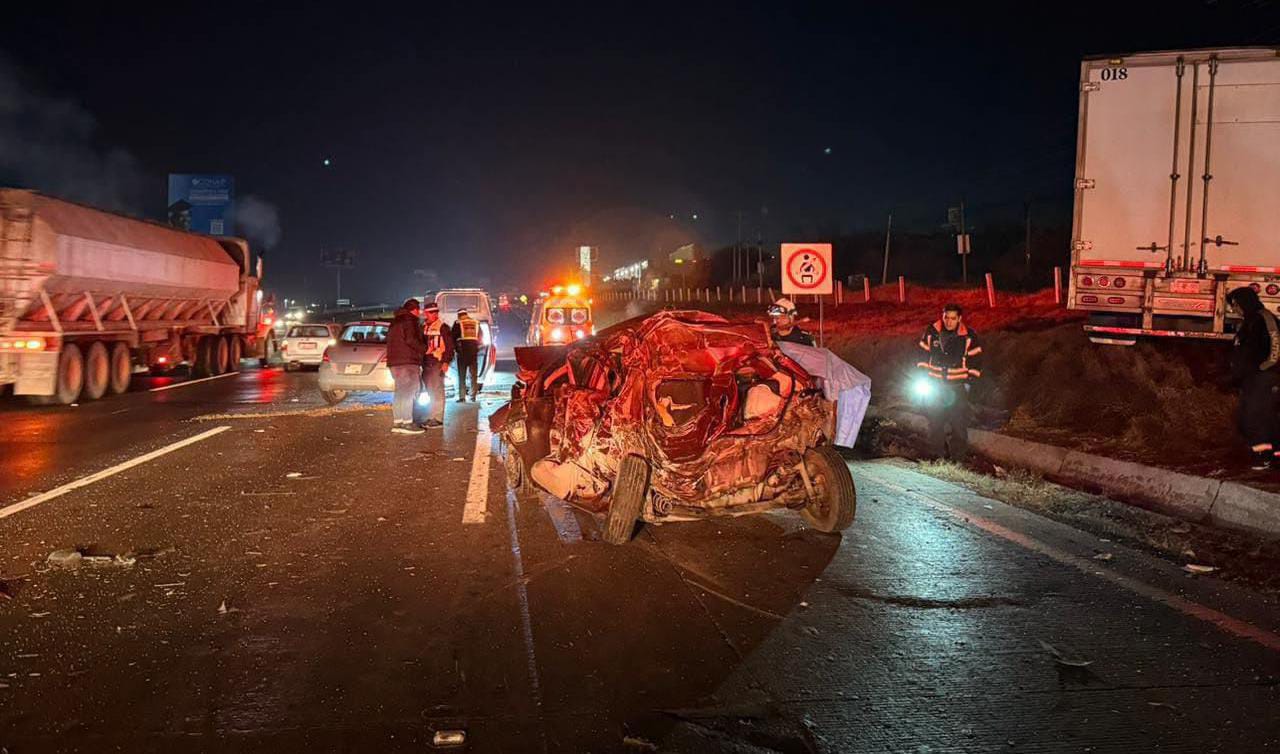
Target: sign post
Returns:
[[806, 268]]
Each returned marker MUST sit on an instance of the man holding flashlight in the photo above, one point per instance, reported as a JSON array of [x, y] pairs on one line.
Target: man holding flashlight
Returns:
[[951, 363], [435, 363]]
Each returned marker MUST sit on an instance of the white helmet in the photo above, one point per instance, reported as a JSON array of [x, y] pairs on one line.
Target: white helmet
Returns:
[[782, 306]]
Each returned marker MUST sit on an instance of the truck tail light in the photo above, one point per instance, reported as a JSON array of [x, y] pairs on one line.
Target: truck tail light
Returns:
[[23, 344], [1120, 282], [1273, 289], [1086, 281], [1102, 281], [162, 360]]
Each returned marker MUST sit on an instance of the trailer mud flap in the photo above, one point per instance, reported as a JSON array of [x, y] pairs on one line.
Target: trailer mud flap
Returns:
[[37, 373]]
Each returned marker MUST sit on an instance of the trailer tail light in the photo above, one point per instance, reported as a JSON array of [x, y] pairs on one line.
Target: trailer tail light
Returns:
[[1115, 300], [1102, 281], [1119, 282], [1086, 281], [1088, 299], [162, 360], [1273, 289], [23, 344]]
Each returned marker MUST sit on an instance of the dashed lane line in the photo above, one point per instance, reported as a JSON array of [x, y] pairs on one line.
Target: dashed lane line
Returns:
[[100, 475], [478, 489], [191, 382]]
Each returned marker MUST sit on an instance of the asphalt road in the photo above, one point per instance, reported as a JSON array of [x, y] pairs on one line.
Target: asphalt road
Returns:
[[304, 579]]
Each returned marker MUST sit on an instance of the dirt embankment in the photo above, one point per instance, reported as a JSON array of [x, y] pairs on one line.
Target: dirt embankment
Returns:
[[1162, 403]]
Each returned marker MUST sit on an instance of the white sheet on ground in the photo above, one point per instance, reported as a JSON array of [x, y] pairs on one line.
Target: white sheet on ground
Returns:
[[842, 383]]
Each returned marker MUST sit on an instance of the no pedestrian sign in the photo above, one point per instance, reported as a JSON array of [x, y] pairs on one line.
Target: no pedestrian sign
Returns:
[[806, 268]]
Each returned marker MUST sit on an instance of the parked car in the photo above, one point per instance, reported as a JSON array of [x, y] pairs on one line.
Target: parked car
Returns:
[[675, 417], [356, 363], [303, 345]]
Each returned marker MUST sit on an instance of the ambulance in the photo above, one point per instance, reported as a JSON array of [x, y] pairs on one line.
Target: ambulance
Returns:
[[561, 316]]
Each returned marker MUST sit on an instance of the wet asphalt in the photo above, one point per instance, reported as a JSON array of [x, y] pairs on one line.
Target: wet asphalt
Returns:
[[303, 580]]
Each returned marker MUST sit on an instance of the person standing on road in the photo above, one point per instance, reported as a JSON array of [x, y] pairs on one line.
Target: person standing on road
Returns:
[[466, 337], [951, 365], [783, 314], [436, 362], [405, 349], [1254, 355]]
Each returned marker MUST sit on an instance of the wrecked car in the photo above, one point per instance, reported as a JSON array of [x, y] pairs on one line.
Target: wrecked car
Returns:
[[678, 416]]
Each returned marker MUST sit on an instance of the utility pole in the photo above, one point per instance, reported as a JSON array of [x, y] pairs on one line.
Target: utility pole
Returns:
[[737, 249], [964, 256], [888, 232]]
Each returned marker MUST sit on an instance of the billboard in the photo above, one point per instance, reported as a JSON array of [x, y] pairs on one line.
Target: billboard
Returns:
[[202, 203]]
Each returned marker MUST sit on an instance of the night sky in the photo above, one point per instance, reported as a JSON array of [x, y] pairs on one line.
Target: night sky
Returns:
[[484, 144]]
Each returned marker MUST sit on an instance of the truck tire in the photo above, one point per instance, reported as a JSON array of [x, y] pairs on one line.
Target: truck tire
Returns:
[[833, 507], [235, 352], [70, 378], [121, 369], [628, 500], [203, 365], [97, 371], [220, 354]]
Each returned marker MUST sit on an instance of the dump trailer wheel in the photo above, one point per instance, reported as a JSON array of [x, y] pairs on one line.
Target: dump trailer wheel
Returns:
[[70, 378], [628, 500], [97, 371], [835, 500], [235, 352], [121, 369], [219, 354], [203, 365], [334, 397]]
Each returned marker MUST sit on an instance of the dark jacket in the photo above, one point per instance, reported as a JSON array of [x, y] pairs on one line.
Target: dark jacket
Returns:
[[445, 333], [952, 355], [1257, 344], [795, 336], [405, 344]]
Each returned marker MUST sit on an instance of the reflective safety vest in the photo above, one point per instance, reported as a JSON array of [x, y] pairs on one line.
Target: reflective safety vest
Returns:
[[435, 340], [952, 356], [469, 329]]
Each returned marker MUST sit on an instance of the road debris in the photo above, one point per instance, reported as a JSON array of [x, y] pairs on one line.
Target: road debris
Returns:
[[1197, 568], [293, 475], [449, 738], [69, 559], [1163, 705], [635, 742], [1103, 556], [1063, 659], [224, 610]]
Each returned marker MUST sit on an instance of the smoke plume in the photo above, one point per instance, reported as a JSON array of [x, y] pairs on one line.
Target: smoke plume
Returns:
[[258, 221]]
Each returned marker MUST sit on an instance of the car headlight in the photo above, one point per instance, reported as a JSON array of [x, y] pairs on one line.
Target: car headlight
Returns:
[[517, 431], [557, 333]]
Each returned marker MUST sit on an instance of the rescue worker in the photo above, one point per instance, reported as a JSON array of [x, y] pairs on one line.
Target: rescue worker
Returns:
[[783, 313], [439, 355], [405, 347], [952, 360], [466, 337], [1254, 356]]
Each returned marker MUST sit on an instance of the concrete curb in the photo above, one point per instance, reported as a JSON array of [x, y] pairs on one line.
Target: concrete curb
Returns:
[[1230, 505]]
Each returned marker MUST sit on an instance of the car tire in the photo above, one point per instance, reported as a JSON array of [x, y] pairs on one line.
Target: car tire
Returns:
[[334, 397], [97, 372], [517, 476], [836, 504], [290, 366], [121, 369], [628, 500]]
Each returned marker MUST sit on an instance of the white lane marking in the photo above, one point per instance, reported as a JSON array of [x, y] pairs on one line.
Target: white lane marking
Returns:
[[99, 476], [191, 382], [562, 519], [478, 490], [522, 594]]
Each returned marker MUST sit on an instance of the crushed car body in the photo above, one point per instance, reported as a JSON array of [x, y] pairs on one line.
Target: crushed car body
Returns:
[[677, 416]]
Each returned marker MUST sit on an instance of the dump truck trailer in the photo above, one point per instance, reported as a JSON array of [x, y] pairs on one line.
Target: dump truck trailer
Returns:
[[1177, 190], [88, 298]]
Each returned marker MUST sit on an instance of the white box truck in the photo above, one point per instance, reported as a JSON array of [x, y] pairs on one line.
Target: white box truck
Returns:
[[1177, 191], [87, 297]]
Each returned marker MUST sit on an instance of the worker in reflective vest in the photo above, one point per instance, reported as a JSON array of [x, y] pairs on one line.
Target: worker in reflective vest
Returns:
[[435, 362], [466, 335], [951, 364], [1254, 356]]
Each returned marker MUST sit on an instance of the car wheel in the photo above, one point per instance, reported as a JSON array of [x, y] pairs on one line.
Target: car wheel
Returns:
[[835, 500], [628, 500], [334, 397], [290, 366], [517, 476]]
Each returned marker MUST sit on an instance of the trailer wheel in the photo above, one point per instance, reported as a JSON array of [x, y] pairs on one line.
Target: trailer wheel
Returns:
[[835, 500], [628, 500], [121, 369], [97, 372], [235, 352], [70, 378], [219, 353], [203, 365]]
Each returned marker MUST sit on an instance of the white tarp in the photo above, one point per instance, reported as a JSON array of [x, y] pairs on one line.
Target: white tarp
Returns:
[[849, 388]]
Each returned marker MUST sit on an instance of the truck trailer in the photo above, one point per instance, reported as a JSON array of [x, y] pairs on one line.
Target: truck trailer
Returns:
[[1177, 191], [88, 298]]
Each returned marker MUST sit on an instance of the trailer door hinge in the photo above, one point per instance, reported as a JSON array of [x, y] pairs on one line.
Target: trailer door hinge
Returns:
[[1085, 183], [1082, 245], [1091, 86]]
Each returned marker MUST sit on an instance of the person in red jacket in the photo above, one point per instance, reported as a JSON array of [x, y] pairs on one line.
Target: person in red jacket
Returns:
[[405, 349], [951, 364]]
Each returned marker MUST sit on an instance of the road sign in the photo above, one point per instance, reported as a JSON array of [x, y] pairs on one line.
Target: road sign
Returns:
[[962, 244], [806, 268]]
